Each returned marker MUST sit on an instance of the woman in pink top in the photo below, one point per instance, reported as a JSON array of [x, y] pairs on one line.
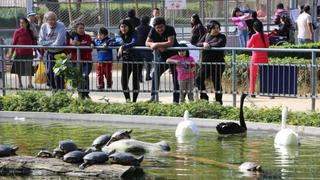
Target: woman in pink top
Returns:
[[239, 19], [22, 64], [258, 40], [186, 72]]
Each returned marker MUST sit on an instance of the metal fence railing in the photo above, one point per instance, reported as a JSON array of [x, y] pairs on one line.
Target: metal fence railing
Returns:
[[278, 79]]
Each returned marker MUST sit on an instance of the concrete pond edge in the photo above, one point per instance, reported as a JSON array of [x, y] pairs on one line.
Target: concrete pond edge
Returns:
[[147, 120]]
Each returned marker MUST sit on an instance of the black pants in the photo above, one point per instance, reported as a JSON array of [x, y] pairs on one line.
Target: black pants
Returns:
[[159, 69], [55, 82], [214, 71], [85, 70], [127, 69]]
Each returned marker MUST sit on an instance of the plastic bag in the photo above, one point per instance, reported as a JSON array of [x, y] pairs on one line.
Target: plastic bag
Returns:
[[40, 76]]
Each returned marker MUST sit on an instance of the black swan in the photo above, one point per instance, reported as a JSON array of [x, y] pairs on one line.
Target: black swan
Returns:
[[231, 127]]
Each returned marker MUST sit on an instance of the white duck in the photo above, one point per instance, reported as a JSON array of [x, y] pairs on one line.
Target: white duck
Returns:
[[286, 136], [186, 127]]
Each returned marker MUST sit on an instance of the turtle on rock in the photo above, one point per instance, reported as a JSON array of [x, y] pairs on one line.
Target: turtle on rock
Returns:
[[6, 150], [125, 159], [100, 141], [74, 157], [44, 153], [58, 153], [124, 134], [67, 146], [94, 158]]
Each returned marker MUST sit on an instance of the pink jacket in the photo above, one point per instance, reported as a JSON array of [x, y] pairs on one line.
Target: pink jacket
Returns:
[[256, 42], [240, 22]]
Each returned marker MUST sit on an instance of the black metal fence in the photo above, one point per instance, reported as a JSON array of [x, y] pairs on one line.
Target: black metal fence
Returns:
[[278, 79]]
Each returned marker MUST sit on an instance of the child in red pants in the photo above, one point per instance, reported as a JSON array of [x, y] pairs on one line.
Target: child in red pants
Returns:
[[104, 58], [257, 40]]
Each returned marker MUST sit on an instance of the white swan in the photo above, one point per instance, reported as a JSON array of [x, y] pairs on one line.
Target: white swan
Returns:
[[286, 136], [186, 127]]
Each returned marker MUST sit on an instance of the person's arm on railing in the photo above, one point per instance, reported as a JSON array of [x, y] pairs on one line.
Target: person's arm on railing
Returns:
[[220, 43], [61, 37], [132, 43], [160, 45], [42, 36], [202, 40]]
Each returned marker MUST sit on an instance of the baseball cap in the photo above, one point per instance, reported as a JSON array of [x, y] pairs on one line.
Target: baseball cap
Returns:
[[31, 14]]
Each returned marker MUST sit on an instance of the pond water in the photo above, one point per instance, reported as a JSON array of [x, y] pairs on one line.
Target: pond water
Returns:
[[208, 154]]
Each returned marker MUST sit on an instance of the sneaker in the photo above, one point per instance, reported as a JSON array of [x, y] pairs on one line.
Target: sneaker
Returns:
[[87, 96], [253, 96]]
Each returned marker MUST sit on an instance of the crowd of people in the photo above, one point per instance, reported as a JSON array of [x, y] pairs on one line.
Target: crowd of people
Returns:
[[156, 34], [243, 20]]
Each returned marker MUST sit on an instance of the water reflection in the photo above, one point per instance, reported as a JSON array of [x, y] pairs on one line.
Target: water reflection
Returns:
[[286, 158], [187, 146]]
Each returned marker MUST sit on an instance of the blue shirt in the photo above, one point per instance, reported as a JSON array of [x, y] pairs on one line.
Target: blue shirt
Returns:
[[103, 54]]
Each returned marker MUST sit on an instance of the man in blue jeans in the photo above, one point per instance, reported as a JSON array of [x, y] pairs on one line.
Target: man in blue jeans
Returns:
[[160, 37]]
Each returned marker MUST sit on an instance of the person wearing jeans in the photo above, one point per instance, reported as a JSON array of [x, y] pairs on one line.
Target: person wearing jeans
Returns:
[[52, 33], [239, 19], [160, 37], [304, 26]]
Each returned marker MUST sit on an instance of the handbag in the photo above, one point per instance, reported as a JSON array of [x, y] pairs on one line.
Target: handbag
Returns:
[[41, 76]]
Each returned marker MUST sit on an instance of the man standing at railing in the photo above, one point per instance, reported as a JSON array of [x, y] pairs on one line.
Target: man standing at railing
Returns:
[[52, 33], [160, 37]]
